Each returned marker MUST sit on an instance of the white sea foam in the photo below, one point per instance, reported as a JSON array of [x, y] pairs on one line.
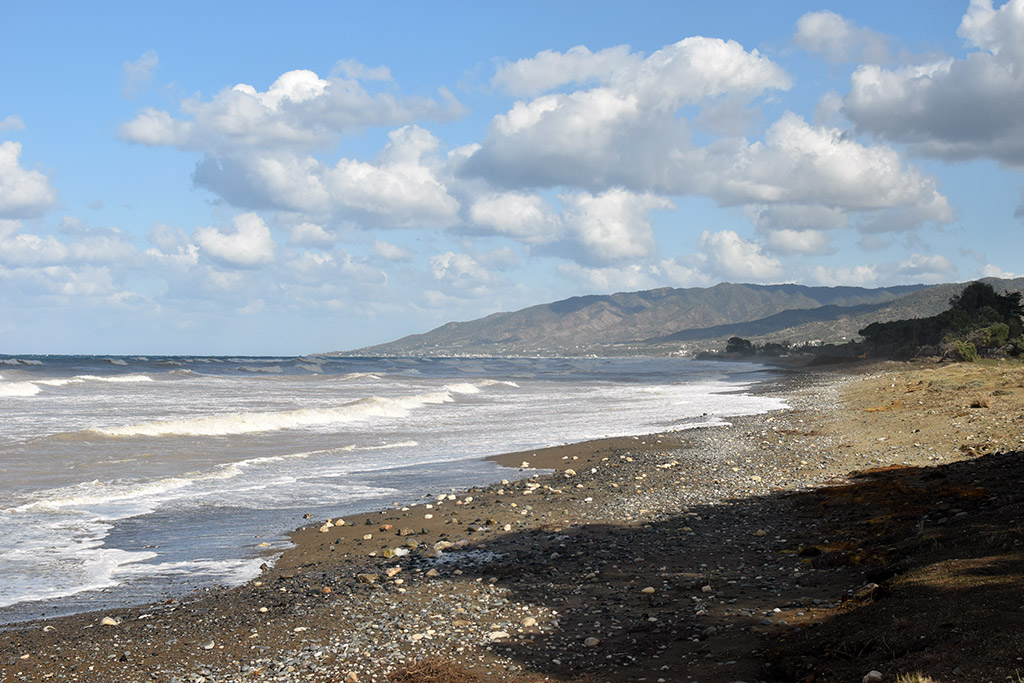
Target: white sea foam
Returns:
[[60, 573], [79, 379], [463, 388], [118, 500], [251, 423], [496, 383], [356, 375], [18, 389]]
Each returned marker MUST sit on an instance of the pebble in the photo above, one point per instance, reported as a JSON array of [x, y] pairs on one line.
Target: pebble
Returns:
[[648, 591], [872, 677], [109, 621], [591, 642]]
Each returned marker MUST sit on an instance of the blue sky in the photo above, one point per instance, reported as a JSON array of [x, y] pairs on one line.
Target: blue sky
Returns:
[[245, 178]]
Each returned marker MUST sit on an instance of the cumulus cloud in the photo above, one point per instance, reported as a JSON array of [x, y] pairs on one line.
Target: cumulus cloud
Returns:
[[933, 267], [460, 272], [298, 110], [823, 167], [549, 69], [613, 226], [524, 217], [23, 193], [728, 255], [137, 75], [838, 39], [401, 188], [250, 244], [626, 129], [953, 108], [622, 131], [609, 278], [24, 249]]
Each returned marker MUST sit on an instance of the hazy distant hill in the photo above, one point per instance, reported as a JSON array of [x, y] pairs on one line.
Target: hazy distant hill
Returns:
[[660, 321]]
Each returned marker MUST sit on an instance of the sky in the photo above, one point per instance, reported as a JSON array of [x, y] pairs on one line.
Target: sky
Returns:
[[251, 178]]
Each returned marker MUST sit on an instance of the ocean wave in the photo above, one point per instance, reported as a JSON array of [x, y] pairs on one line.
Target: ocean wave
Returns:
[[18, 389], [250, 423], [78, 379], [271, 369], [463, 388], [120, 499], [19, 361], [356, 375], [497, 383], [116, 361]]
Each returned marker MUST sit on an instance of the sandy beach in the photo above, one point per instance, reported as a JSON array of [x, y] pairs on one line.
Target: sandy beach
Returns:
[[873, 525]]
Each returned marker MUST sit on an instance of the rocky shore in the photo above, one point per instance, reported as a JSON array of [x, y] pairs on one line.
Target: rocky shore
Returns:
[[740, 553]]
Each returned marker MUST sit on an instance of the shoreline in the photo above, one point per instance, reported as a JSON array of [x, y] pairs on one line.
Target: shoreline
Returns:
[[661, 557]]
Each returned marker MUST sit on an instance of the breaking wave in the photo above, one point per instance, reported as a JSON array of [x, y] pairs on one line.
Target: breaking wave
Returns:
[[250, 423]]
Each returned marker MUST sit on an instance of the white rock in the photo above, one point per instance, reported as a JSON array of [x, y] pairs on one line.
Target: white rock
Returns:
[[591, 642], [872, 677], [497, 635], [109, 621]]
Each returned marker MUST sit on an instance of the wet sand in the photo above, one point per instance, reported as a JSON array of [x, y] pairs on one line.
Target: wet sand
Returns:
[[695, 555]]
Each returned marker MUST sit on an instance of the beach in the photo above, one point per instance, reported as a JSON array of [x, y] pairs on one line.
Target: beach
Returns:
[[788, 545]]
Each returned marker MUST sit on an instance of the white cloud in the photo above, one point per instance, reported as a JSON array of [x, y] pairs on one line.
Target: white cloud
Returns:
[[992, 270], [627, 131], [28, 249], [613, 226], [391, 252], [728, 255], [401, 188], [460, 272], [838, 39], [798, 241], [136, 76], [310, 235], [680, 274], [525, 217], [22, 193], [12, 122], [796, 217], [549, 69], [927, 267], [855, 276], [609, 279], [299, 110], [351, 69], [823, 167], [250, 244], [953, 108], [624, 130]]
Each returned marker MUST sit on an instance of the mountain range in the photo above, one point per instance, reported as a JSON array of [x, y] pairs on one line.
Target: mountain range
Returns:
[[680, 321]]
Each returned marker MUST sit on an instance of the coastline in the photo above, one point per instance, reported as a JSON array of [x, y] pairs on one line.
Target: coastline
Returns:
[[669, 557]]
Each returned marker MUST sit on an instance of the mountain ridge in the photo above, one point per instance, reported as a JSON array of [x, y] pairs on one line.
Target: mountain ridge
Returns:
[[678, 321]]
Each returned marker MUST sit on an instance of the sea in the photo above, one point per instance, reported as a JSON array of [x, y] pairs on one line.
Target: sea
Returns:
[[128, 480]]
